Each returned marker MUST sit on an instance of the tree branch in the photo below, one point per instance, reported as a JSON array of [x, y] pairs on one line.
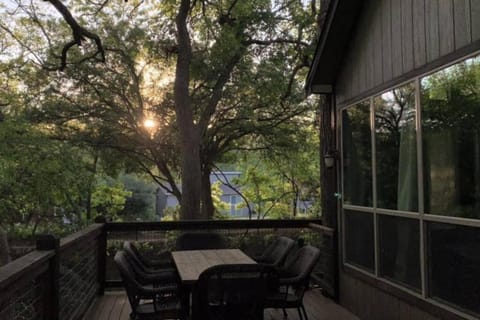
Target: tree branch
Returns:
[[80, 34]]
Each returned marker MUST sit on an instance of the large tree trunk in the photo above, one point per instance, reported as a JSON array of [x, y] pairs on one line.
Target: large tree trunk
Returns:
[[189, 136], [208, 209], [4, 248]]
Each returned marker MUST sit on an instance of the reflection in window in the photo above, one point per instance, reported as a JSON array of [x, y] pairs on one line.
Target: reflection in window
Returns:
[[451, 140], [357, 155], [396, 149], [359, 248], [454, 265], [399, 243]]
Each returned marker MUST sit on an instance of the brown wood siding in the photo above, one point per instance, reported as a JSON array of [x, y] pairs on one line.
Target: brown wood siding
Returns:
[[419, 34], [475, 19], [386, 39], [397, 37], [368, 302], [374, 299], [432, 34], [461, 15]]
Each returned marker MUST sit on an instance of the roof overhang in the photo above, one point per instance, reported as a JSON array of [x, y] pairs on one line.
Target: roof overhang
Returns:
[[332, 44]]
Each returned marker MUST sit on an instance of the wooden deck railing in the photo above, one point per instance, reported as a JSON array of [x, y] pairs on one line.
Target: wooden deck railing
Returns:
[[251, 236], [61, 278], [58, 280]]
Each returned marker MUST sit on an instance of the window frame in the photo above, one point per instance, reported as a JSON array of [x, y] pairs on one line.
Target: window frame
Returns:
[[420, 216]]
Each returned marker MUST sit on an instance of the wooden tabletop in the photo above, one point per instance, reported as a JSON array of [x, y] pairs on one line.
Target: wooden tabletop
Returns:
[[190, 264]]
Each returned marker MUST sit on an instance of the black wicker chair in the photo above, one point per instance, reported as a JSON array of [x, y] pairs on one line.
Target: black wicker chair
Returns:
[[163, 261], [276, 253], [148, 303], [293, 281], [200, 241], [146, 274], [231, 292]]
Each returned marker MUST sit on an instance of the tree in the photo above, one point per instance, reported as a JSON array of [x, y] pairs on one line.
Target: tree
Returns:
[[40, 180], [237, 77], [275, 179]]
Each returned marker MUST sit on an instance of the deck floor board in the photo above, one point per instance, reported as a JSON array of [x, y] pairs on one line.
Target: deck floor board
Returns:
[[114, 305]]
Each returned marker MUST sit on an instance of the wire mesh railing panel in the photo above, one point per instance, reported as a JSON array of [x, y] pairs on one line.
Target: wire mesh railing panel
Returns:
[[155, 243], [324, 272], [252, 237], [25, 301], [78, 279]]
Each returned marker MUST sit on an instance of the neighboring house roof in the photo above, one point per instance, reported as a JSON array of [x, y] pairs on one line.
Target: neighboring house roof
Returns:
[[333, 41]]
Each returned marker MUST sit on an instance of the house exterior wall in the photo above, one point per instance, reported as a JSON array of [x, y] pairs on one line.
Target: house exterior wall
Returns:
[[397, 39], [368, 302]]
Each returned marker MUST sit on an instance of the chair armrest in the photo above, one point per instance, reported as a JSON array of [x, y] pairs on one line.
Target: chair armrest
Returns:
[[160, 264], [152, 293], [154, 278], [164, 260]]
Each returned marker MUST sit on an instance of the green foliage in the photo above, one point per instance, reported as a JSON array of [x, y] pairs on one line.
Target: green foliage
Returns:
[[40, 178], [141, 204], [171, 214], [220, 206], [109, 200], [248, 63], [275, 179]]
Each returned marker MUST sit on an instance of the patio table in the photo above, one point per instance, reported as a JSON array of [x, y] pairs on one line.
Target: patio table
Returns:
[[190, 264]]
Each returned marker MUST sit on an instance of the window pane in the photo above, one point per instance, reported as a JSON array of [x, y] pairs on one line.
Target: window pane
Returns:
[[396, 149], [357, 155], [359, 239], [451, 140], [454, 265], [399, 240]]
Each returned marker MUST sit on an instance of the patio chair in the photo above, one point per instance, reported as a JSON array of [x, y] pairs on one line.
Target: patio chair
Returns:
[[146, 275], [276, 253], [200, 241], [148, 303], [293, 281], [231, 292], [163, 261]]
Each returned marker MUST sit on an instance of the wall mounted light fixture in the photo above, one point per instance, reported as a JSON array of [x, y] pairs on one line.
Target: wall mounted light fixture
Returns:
[[329, 158]]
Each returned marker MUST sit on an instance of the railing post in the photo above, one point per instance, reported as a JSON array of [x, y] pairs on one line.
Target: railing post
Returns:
[[101, 255], [52, 306]]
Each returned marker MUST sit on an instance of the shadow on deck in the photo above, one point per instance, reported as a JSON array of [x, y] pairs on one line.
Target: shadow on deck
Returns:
[[114, 306]]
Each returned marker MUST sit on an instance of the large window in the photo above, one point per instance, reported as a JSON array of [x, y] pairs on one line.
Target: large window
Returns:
[[399, 240], [451, 140], [396, 149], [454, 268], [357, 155], [411, 189], [359, 239]]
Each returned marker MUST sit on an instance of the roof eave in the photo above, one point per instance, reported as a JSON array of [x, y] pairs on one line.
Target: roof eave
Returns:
[[342, 16]]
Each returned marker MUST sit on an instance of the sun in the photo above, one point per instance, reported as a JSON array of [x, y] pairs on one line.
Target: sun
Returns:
[[149, 123]]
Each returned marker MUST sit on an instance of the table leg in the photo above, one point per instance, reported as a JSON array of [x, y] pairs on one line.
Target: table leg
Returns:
[[185, 297]]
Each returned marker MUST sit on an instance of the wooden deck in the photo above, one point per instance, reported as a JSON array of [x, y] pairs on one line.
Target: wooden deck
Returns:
[[114, 306]]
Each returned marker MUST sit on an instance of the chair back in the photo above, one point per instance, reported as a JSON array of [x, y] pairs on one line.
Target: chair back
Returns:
[[200, 241], [133, 256], [231, 292], [301, 267], [127, 274], [280, 250]]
